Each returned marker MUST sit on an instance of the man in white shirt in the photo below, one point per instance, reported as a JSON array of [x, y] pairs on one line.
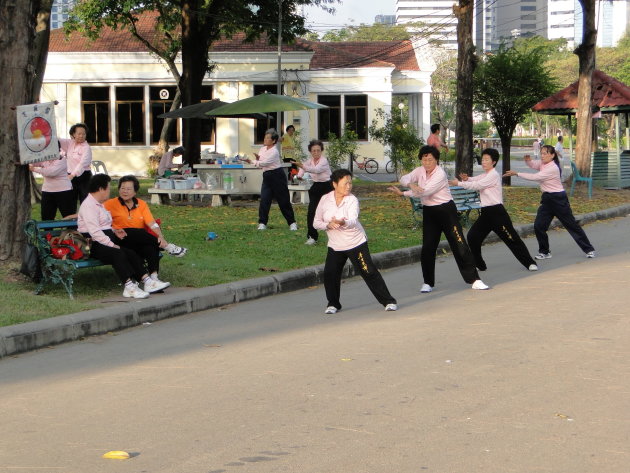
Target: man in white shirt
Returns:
[[560, 149]]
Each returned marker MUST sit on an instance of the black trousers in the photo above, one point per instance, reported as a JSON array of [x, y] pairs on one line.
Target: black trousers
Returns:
[[126, 262], [438, 219], [495, 218], [556, 204], [315, 194], [145, 245], [80, 186], [362, 261], [275, 185], [65, 201]]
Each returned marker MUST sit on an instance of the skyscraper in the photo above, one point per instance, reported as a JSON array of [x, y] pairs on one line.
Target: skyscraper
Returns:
[[59, 12]]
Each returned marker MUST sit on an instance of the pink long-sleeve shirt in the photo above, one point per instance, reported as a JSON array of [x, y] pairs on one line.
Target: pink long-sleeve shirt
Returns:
[[79, 156], [55, 174], [93, 219], [269, 159], [320, 171], [489, 186], [351, 234], [435, 186], [548, 175]]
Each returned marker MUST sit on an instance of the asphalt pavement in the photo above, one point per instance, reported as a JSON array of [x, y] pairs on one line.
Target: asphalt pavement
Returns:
[[530, 376]]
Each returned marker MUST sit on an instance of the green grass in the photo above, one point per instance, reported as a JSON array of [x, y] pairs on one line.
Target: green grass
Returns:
[[242, 252]]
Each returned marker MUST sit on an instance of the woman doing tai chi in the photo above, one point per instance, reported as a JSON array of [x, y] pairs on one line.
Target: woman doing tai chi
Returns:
[[553, 202]]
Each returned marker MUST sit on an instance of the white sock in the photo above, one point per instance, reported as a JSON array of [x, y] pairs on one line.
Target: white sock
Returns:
[[129, 283], [154, 276]]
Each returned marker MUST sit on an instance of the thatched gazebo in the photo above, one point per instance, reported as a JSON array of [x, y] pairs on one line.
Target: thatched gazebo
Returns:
[[608, 168]]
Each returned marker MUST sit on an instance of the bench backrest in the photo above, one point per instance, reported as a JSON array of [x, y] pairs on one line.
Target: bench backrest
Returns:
[[465, 198]]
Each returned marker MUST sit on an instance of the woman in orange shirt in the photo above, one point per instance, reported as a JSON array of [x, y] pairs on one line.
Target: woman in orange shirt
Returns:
[[131, 218]]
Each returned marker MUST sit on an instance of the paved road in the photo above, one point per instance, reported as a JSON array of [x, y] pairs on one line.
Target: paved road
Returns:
[[531, 376]]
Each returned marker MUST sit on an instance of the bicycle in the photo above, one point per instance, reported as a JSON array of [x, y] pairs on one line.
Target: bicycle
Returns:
[[368, 165], [390, 167]]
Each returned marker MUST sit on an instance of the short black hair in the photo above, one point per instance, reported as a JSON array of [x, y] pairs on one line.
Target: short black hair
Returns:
[[130, 178], [338, 174], [493, 153], [289, 127], [435, 127], [432, 150], [178, 150], [74, 127], [316, 143], [98, 182]]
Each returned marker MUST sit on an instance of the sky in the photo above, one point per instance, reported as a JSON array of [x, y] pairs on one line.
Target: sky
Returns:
[[349, 12]]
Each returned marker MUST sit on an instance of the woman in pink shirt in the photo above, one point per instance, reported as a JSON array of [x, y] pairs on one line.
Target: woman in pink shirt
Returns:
[[494, 217], [553, 202], [79, 155], [275, 184], [439, 215], [319, 169], [57, 189], [338, 214]]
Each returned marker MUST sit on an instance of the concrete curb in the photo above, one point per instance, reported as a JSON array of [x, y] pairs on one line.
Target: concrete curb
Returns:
[[42, 333]]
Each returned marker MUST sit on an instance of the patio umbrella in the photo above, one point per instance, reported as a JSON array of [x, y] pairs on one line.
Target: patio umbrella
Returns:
[[199, 110], [264, 103]]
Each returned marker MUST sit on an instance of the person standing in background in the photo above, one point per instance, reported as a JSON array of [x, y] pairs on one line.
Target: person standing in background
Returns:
[[57, 189], [79, 156], [560, 149], [434, 138], [288, 151], [537, 144], [319, 169]]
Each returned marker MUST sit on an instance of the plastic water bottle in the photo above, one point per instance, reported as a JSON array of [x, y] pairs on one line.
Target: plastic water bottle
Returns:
[[228, 182]]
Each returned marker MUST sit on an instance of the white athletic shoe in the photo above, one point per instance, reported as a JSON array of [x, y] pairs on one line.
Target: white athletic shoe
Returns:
[[293, 227], [543, 256], [426, 288], [132, 290], [330, 310], [479, 285], [391, 307], [175, 250], [310, 241], [262, 226], [151, 285], [533, 267], [590, 254]]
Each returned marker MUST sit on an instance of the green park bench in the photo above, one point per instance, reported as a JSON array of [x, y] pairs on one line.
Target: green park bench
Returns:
[[466, 200]]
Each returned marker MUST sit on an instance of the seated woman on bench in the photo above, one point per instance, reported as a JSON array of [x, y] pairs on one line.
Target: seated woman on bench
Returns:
[[95, 222], [132, 219]]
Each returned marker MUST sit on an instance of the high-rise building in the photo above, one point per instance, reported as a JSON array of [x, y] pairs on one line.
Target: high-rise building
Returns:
[[59, 12], [497, 21]]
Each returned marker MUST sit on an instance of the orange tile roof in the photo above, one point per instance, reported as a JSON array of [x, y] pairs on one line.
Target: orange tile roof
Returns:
[[399, 54], [607, 93]]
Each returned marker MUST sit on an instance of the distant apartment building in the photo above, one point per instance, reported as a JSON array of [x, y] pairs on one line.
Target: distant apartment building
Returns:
[[59, 12], [498, 21], [385, 19]]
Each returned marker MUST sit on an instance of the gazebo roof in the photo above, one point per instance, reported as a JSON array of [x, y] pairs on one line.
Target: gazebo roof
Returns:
[[609, 95]]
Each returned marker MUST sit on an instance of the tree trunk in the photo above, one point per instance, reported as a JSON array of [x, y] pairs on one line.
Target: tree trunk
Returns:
[[19, 59], [506, 144], [586, 55], [196, 40], [465, 69]]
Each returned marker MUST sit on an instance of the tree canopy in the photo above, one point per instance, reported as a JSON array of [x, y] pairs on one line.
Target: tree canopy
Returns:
[[507, 84], [363, 32]]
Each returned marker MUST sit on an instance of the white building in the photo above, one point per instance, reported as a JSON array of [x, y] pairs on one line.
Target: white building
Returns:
[[437, 15], [565, 21]]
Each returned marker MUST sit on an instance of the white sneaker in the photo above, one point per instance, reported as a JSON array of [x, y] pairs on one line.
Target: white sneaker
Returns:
[[175, 250], [262, 226], [293, 227], [543, 256], [533, 267], [151, 285], [590, 254], [330, 310], [426, 288], [391, 307], [479, 285], [310, 241], [132, 290]]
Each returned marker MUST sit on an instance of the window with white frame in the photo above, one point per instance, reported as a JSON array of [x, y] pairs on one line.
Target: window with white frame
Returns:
[[95, 113], [331, 119], [130, 115]]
